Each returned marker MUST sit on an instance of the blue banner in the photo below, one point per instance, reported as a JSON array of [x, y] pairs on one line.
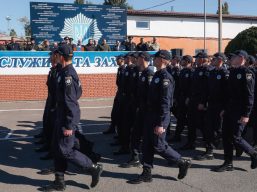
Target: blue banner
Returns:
[[54, 21], [36, 63]]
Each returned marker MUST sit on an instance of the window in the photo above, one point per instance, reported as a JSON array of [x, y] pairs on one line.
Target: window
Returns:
[[201, 50], [143, 24], [178, 52]]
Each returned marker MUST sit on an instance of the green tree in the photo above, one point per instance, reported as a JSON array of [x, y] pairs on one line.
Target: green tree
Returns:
[[122, 3], [26, 24], [79, 1], [246, 40], [13, 33], [225, 9]]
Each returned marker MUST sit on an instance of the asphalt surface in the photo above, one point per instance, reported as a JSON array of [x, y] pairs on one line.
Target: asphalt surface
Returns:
[[19, 164]]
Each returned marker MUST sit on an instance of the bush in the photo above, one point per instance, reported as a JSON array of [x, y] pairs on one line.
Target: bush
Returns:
[[246, 40]]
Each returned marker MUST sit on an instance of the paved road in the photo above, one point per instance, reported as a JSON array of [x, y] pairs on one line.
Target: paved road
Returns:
[[19, 164]]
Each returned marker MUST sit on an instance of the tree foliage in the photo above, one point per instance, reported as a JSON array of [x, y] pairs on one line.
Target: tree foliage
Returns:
[[122, 3], [26, 25], [13, 33], [246, 40], [225, 9]]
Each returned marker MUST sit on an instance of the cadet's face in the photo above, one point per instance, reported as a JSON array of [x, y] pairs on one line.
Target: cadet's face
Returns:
[[119, 62], [54, 59], [157, 62], [236, 60], [183, 63], [141, 63]]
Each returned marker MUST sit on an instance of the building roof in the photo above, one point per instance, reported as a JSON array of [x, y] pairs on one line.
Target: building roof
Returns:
[[188, 15]]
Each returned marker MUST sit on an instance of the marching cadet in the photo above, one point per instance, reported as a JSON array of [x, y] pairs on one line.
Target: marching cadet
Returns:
[[49, 115], [159, 101], [68, 92], [216, 99], [174, 70], [129, 109], [142, 91], [197, 99], [183, 95], [240, 98], [115, 109]]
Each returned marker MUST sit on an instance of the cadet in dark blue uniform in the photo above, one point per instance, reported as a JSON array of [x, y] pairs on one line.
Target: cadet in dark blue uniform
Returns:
[[216, 99], [183, 96], [197, 100], [115, 108], [129, 109], [68, 115], [240, 94], [174, 70], [49, 115], [157, 120], [141, 104]]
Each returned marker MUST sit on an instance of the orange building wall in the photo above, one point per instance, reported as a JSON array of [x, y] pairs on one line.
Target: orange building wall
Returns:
[[189, 45]]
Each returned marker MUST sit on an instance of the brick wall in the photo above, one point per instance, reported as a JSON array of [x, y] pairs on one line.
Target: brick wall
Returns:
[[33, 87]]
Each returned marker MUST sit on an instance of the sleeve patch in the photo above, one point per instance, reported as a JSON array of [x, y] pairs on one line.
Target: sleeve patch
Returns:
[[166, 82], [249, 76], [68, 80]]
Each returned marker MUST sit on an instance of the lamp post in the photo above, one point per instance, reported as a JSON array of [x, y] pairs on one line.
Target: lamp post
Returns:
[[8, 19], [204, 39], [220, 25]]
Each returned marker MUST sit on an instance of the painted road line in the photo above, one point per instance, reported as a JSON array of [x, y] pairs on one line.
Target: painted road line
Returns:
[[29, 137], [15, 110], [9, 134]]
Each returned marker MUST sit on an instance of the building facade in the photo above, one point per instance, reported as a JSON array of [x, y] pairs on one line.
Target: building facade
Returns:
[[184, 32]]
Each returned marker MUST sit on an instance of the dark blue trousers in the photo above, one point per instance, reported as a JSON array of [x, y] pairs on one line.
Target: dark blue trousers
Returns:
[[65, 151], [153, 143], [232, 134]]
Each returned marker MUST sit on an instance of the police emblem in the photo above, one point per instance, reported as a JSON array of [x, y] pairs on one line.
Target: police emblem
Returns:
[[201, 73], [218, 77], [68, 80], [187, 75], [126, 73], [249, 76], [134, 74], [239, 76], [173, 72], [157, 80], [143, 79]]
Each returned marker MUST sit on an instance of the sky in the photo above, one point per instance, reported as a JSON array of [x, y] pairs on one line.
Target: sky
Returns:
[[16, 9]]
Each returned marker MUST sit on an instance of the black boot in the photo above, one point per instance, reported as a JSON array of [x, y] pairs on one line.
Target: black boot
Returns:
[[47, 171], [95, 157], [188, 146], [208, 155], [133, 162], [57, 185], [254, 161], [95, 171], [226, 166], [146, 176], [184, 165]]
